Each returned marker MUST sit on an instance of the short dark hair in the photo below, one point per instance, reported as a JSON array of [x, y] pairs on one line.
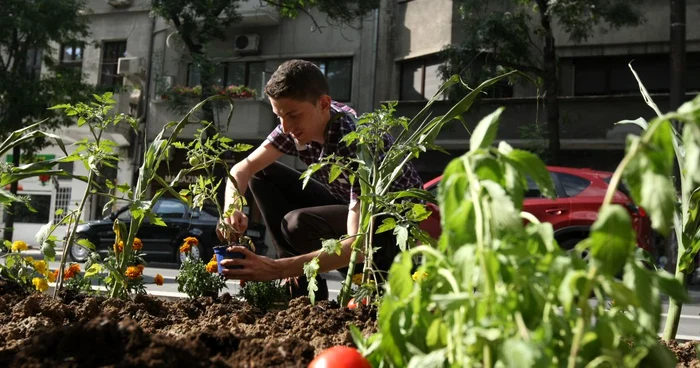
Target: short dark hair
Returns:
[[299, 80]]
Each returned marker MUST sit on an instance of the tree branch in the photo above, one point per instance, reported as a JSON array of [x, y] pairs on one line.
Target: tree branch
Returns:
[[279, 5], [191, 46]]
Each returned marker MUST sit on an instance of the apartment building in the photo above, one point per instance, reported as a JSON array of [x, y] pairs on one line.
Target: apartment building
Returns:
[[596, 87]]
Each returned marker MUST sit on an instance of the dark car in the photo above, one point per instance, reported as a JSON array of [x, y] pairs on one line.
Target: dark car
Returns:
[[162, 243], [580, 193]]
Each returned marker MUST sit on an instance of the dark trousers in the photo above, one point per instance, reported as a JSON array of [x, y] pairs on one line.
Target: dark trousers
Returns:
[[299, 219]]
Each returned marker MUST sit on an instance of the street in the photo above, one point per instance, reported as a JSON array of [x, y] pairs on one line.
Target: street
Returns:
[[688, 329]]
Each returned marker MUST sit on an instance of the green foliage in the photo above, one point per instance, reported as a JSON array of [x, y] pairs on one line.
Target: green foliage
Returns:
[[29, 26], [497, 292], [25, 271], [376, 167], [265, 294], [648, 169], [194, 280]]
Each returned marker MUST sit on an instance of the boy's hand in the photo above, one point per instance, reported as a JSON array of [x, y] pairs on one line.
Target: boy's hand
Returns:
[[238, 221]]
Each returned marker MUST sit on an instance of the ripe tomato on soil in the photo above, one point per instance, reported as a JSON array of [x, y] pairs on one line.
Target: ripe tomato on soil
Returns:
[[340, 357]]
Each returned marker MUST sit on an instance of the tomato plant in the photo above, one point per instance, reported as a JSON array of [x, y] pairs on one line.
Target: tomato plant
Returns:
[[340, 357]]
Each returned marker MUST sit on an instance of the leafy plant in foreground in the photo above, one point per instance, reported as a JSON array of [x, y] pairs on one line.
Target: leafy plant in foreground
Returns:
[[375, 168], [264, 294], [647, 169], [499, 293]]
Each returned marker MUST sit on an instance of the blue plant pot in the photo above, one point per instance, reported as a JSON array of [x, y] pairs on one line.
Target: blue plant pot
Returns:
[[222, 252]]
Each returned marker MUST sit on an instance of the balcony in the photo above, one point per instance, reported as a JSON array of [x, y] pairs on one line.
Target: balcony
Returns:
[[252, 120]]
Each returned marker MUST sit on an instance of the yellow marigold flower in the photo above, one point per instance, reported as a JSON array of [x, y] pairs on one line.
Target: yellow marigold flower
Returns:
[[138, 245], [192, 241], [29, 259], [132, 272], [40, 284], [357, 279], [158, 279], [40, 267], [118, 247], [212, 266], [140, 267], [213, 258], [18, 246], [51, 276], [185, 247], [419, 275]]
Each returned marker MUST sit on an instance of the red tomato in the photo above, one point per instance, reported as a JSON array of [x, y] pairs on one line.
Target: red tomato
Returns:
[[340, 357], [352, 304]]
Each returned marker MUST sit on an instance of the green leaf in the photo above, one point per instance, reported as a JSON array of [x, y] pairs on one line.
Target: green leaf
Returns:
[[419, 213], [49, 251], [641, 122], [311, 271], [485, 132], [388, 223], [335, 173], [436, 337], [86, 244], [658, 198], [672, 287], [529, 163], [570, 287], [516, 353], [400, 282], [612, 239], [331, 246], [93, 270], [401, 232]]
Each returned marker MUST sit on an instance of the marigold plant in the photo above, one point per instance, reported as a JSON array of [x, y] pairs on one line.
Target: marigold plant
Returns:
[[212, 266], [19, 246], [40, 284], [133, 272], [138, 244], [159, 280]]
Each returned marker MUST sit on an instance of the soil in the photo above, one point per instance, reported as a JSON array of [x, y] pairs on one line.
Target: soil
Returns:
[[87, 331], [685, 352]]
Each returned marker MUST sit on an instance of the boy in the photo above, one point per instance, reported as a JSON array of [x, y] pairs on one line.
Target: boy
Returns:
[[311, 127]]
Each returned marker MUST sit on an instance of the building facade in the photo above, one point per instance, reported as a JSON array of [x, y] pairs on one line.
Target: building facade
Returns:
[[596, 86]]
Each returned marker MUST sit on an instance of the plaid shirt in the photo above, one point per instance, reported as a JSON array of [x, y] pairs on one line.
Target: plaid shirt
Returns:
[[313, 152]]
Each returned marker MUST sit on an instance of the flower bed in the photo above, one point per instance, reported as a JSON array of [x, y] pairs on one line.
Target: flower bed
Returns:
[[36, 330]]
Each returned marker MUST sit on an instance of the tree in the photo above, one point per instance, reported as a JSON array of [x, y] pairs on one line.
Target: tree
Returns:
[[518, 34], [29, 27], [200, 22]]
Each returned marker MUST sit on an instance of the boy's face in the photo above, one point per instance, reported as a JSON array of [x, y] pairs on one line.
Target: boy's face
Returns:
[[303, 120]]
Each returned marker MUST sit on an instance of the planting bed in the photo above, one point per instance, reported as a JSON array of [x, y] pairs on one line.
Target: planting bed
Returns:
[[77, 330]]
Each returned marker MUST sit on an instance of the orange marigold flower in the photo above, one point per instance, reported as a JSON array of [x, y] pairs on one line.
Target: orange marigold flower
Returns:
[[118, 247], [138, 245], [74, 267], [55, 275], [185, 247], [192, 241], [68, 274], [132, 272], [212, 267], [140, 267], [213, 258], [158, 279]]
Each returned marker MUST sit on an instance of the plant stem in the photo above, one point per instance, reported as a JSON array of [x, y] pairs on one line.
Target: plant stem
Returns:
[[71, 234], [674, 310], [580, 328]]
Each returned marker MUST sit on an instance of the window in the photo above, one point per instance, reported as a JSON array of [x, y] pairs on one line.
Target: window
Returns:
[[610, 75], [339, 75], [41, 203], [111, 52], [573, 185], [420, 78], [62, 201], [34, 63], [72, 55], [170, 209], [226, 74]]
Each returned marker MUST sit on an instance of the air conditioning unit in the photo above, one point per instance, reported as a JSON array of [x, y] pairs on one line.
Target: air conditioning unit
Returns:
[[130, 66], [246, 44]]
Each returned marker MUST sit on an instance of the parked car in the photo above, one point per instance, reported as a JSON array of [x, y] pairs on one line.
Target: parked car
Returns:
[[580, 193], [162, 243]]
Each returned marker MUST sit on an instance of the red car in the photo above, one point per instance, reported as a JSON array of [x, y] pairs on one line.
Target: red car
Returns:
[[580, 194]]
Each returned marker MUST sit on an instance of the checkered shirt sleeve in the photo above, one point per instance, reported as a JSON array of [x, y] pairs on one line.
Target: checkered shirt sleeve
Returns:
[[282, 142]]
